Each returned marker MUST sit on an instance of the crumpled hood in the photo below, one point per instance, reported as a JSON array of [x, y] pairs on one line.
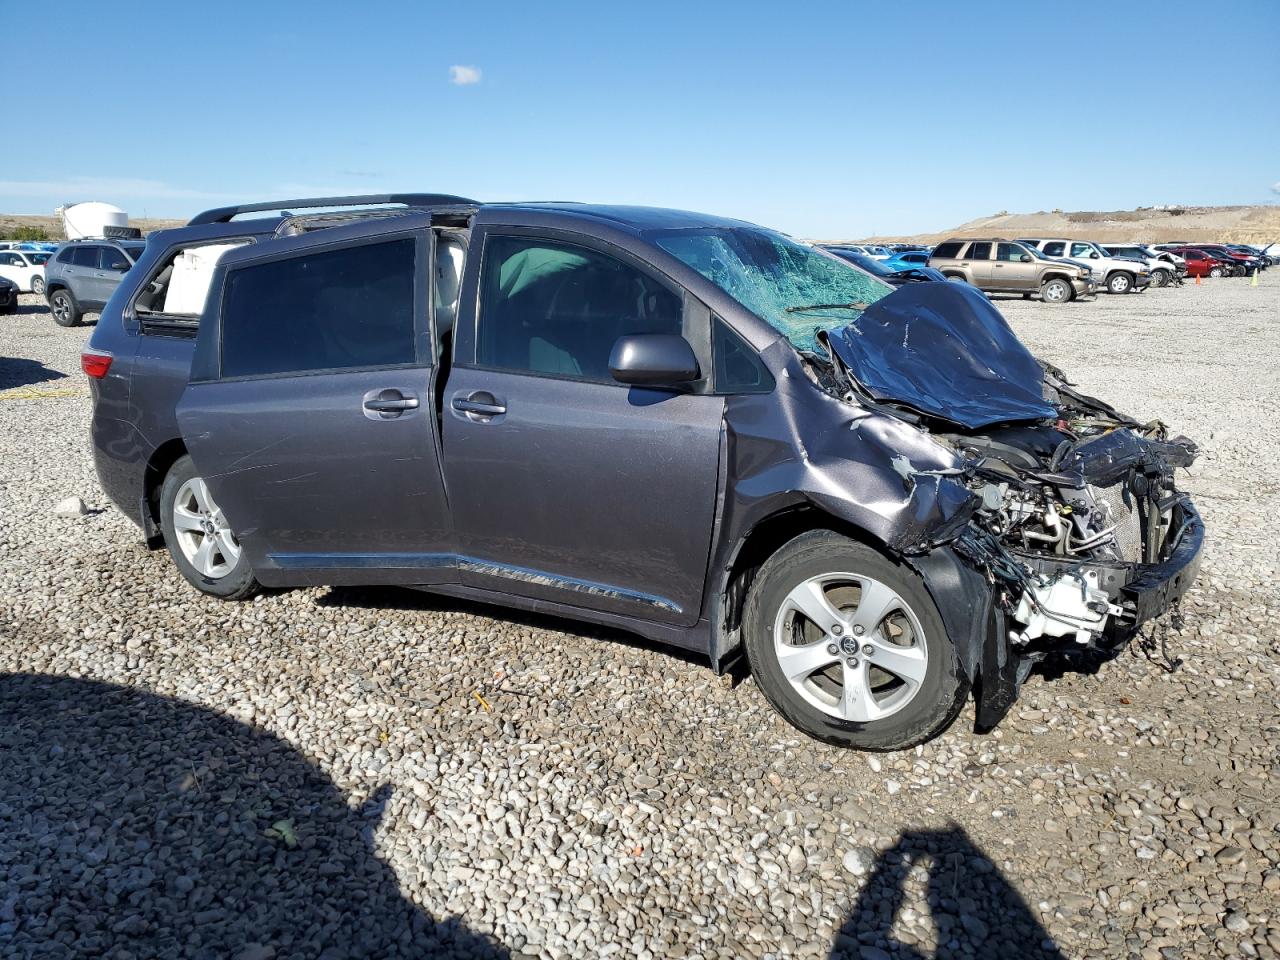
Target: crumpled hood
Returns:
[[943, 349]]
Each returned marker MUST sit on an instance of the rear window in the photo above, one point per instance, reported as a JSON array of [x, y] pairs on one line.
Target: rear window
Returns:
[[949, 249], [979, 251], [351, 308]]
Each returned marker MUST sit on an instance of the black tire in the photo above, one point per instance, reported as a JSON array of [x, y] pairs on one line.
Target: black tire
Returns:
[[1120, 282], [942, 692], [236, 584], [66, 312], [1159, 278], [1215, 272], [1056, 290], [37, 285]]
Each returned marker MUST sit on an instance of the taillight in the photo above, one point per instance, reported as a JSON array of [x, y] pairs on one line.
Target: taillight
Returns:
[[95, 365]]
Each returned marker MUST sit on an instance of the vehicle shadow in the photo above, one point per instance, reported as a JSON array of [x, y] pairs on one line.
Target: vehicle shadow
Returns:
[[136, 825], [974, 910], [408, 598], [21, 372]]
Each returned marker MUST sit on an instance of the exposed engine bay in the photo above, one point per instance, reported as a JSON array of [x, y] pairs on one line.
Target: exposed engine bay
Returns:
[[1074, 517]]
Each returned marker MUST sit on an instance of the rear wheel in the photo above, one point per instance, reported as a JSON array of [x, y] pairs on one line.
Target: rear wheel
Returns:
[[1215, 272], [201, 542], [1119, 282], [37, 285], [848, 646], [66, 312], [1056, 291]]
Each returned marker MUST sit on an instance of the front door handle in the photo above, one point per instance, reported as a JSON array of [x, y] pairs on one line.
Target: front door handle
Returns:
[[388, 404], [479, 404]]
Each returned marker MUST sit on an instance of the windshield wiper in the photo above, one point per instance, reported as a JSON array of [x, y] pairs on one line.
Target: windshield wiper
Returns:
[[828, 306]]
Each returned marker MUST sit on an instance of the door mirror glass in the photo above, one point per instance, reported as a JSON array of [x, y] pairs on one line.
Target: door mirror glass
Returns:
[[653, 359], [1026, 258], [1095, 256], [120, 266]]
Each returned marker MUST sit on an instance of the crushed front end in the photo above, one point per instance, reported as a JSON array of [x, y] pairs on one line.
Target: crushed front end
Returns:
[[1075, 522]]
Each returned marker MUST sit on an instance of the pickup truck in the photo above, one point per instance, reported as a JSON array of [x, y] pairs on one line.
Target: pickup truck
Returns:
[[695, 429]]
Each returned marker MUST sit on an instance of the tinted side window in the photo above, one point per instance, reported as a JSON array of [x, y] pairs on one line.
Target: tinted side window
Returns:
[[329, 310], [557, 309], [11, 260], [979, 251], [67, 255], [85, 256], [948, 249], [738, 369], [1054, 249]]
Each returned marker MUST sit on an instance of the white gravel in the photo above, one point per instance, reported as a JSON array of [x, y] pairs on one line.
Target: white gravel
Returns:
[[370, 773]]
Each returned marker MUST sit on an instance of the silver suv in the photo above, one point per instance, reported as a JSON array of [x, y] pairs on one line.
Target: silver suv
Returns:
[[997, 265], [81, 276], [1116, 274]]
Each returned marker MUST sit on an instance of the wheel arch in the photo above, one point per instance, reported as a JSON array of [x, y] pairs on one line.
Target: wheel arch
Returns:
[[158, 466]]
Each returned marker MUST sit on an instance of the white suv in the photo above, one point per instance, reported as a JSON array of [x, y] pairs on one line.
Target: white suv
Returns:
[[1116, 274], [25, 268], [1166, 268]]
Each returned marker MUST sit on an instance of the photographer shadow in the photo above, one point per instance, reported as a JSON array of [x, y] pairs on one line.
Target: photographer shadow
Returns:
[[975, 911], [134, 825]]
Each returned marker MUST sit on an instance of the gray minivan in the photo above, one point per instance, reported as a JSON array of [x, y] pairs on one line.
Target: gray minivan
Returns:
[[685, 426]]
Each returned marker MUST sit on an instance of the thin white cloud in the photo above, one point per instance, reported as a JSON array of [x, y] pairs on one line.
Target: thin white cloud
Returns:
[[123, 188], [1275, 187], [461, 76]]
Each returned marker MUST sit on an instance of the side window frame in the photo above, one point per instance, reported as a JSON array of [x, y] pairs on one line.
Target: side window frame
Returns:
[[207, 363], [159, 323], [695, 320]]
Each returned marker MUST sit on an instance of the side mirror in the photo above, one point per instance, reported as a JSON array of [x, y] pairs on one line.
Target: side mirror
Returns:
[[1026, 258], [653, 360], [1094, 256], [120, 266]]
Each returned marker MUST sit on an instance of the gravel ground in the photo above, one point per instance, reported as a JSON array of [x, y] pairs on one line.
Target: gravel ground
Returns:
[[343, 772]]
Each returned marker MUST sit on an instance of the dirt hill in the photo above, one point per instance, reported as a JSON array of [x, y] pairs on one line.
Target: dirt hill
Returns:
[[53, 229], [1258, 224]]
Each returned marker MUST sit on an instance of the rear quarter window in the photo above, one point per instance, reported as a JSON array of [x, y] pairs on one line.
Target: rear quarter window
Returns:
[[947, 250]]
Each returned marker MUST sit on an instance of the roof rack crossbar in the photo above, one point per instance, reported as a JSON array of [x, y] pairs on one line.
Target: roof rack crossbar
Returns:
[[225, 214]]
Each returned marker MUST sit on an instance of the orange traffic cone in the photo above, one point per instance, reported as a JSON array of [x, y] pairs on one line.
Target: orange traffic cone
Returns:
[[1197, 279]]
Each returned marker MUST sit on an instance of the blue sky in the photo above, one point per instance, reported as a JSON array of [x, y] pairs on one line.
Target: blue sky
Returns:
[[822, 119]]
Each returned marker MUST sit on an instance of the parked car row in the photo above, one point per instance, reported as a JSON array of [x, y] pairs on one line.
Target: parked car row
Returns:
[[1056, 269]]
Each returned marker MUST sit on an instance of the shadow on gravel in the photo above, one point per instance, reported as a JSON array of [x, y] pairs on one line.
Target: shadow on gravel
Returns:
[[134, 825], [21, 372], [407, 598], [974, 909]]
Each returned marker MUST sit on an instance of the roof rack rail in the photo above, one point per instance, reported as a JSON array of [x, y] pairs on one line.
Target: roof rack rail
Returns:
[[225, 214]]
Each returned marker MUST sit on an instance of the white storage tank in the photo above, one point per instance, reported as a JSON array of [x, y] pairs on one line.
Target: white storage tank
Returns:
[[90, 219]]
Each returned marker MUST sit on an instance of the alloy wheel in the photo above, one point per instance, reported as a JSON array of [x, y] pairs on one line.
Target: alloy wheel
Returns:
[[61, 307], [202, 531], [850, 646]]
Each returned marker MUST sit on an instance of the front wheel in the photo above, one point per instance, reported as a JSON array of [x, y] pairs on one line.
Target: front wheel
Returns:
[[848, 646], [1119, 283], [1056, 291], [66, 312], [201, 542], [37, 285], [1160, 278], [1215, 272]]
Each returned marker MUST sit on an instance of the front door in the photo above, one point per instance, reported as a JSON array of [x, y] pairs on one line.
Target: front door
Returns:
[[309, 414], [566, 485], [1009, 272]]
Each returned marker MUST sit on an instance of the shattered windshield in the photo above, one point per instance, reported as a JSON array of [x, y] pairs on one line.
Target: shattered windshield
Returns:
[[796, 289]]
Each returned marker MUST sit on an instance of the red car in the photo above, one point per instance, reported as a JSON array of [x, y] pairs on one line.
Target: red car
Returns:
[[1201, 264], [1246, 263]]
